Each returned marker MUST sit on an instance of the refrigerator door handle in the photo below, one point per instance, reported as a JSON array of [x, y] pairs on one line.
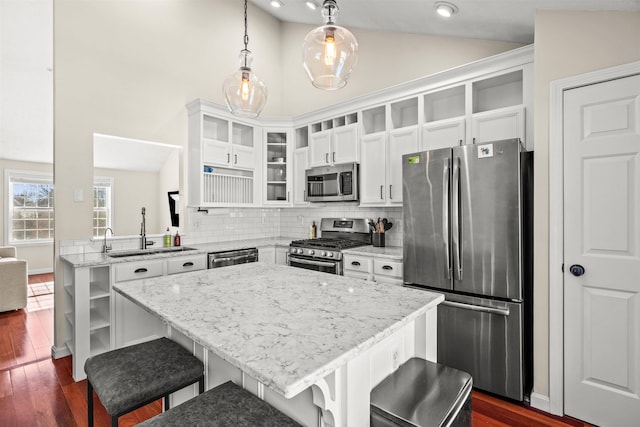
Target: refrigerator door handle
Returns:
[[481, 308], [455, 219], [445, 219]]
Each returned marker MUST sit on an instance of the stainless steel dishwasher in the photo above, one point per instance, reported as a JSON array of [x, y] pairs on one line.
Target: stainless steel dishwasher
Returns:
[[231, 257]]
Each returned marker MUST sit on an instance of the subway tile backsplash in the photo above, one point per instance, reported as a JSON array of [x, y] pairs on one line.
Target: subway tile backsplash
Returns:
[[225, 224], [228, 224]]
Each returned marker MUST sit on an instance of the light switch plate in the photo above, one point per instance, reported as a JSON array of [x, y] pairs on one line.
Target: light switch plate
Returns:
[[78, 195]]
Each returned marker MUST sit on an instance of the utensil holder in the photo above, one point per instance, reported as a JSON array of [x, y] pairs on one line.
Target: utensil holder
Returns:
[[377, 239]]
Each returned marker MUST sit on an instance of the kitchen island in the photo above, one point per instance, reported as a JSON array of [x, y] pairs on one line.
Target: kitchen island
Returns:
[[299, 339]]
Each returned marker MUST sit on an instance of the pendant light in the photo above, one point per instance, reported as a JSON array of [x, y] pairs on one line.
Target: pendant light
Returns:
[[329, 52], [244, 92]]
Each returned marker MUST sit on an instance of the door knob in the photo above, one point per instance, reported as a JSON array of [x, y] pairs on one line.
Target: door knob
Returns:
[[577, 270]]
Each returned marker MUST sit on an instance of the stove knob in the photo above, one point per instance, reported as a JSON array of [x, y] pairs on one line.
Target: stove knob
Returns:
[[323, 253], [311, 252], [330, 254], [292, 250], [300, 251]]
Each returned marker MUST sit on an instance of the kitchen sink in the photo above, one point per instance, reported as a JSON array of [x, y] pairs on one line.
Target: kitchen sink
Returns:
[[153, 251]]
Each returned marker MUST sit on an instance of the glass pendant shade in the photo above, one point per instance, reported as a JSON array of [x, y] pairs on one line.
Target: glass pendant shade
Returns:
[[330, 52], [244, 92]]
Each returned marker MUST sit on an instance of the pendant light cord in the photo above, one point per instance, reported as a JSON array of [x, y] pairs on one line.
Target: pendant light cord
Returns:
[[246, 36]]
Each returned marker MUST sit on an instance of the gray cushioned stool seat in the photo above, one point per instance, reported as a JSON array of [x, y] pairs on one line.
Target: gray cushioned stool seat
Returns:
[[130, 377], [226, 405]]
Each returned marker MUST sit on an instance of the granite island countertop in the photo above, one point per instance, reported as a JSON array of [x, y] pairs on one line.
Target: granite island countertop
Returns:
[[286, 327]]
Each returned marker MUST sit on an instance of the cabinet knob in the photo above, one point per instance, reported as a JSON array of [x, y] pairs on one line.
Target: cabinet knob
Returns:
[[326, 157], [381, 190], [334, 156]]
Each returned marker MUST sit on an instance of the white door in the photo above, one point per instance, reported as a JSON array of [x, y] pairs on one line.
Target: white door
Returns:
[[401, 141], [372, 169], [443, 134], [345, 144], [602, 236], [320, 148], [494, 125]]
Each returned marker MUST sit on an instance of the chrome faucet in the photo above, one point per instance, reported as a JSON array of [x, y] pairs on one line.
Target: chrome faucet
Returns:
[[106, 248], [143, 232]]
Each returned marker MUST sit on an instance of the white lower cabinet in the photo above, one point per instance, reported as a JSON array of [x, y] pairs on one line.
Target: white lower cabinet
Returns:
[[374, 268], [98, 319], [273, 254]]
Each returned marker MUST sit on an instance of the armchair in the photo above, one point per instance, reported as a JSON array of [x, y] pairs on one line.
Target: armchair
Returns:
[[13, 280]]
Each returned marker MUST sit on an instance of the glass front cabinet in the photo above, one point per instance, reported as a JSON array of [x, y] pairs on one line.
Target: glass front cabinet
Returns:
[[277, 166]]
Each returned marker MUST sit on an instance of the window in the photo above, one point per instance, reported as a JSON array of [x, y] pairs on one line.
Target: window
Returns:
[[30, 207], [101, 205]]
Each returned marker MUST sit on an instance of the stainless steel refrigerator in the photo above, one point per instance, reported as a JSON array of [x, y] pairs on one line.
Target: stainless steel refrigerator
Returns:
[[467, 233]]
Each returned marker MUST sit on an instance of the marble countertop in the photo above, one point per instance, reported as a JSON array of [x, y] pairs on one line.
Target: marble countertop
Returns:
[[98, 259], [391, 252], [286, 327]]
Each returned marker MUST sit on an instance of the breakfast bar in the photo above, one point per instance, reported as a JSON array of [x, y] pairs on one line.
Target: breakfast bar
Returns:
[[311, 344]]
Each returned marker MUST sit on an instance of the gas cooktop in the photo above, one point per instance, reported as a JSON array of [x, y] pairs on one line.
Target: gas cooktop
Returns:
[[328, 243]]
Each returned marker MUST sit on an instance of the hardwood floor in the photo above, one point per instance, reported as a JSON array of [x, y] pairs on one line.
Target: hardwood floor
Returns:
[[36, 390]]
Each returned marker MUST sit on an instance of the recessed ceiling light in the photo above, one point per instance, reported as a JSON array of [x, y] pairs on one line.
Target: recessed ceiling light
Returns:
[[445, 9], [276, 3], [312, 4]]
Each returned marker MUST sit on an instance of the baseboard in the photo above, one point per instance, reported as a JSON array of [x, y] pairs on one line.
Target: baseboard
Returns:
[[540, 402], [39, 271], [57, 353]]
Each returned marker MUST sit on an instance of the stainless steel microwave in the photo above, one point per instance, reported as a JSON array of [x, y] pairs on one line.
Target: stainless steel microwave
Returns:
[[337, 183]]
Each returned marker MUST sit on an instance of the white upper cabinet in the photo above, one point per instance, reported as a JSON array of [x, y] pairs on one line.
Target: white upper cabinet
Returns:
[[382, 151], [300, 164], [222, 157], [334, 141]]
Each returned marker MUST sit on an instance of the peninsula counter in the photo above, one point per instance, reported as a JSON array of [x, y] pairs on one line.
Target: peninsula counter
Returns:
[[299, 339]]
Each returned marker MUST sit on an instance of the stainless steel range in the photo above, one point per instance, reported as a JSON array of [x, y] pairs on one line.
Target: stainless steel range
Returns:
[[325, 253]]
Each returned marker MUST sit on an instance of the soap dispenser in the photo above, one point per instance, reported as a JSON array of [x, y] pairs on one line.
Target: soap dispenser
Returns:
[[313, 230], [167, 238], [176, 239]]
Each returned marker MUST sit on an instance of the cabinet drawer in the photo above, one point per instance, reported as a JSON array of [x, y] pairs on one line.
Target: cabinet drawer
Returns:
[[184, 264], [357, 274], [138, 270], [357, 263], [388, 268]]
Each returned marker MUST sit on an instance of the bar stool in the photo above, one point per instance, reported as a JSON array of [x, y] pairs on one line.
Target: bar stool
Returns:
[[225, 405], [422, 394], [131, 377]]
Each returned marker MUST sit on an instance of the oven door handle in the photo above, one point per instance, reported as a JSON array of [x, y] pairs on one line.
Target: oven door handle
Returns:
[[311, 262]]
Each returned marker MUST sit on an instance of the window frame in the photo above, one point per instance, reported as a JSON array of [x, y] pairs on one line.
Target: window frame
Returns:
[[43, 177]]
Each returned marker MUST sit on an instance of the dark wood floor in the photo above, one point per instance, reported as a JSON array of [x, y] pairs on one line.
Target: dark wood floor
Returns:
[[36, 390]]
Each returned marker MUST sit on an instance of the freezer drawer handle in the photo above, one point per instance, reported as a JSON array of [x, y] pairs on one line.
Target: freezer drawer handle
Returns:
[[140, 270], [490, 310]]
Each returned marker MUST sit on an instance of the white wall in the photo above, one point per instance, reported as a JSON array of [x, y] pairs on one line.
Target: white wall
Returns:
[[26, 89], [566, 44], [384, 59]]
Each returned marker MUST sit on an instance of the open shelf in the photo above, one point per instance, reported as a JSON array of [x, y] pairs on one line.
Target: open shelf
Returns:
[[302, 137], [242, 135], [99, 341], [501, 91], [444, 104], [404, 113], [374, 120], [215, 128]]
